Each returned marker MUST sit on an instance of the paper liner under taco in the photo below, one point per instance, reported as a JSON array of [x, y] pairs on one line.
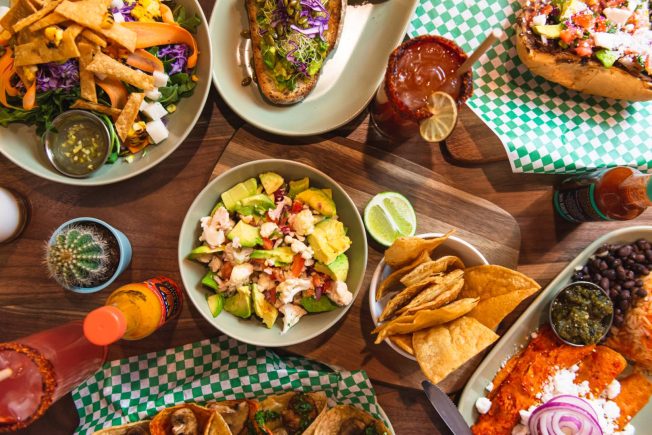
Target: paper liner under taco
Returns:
[[346, 419], [137, 428], [198, 420], [286, 416]]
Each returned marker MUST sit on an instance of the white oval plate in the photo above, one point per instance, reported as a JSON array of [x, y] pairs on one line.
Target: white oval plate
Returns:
[[469, 255], [349, 78], [536, 314], [20, 144]]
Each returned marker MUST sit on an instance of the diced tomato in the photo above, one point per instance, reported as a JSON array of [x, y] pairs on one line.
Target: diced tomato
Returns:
[[601, 24], [546, 9], [270, 295], [297, 265], [267, 243], [584, 49], [585, 21], [568, 35], [613, 3], [297, 206], [318, 279], [225, 270]]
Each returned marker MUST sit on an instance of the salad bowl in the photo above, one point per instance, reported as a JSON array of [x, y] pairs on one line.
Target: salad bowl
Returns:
[[20, 144], [250, 330]]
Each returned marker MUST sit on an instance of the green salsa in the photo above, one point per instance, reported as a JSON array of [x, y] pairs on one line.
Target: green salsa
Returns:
[[581, 314]]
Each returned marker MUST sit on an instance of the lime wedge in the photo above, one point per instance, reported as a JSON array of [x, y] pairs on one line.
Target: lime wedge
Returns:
[[389, 215], [444, 117]]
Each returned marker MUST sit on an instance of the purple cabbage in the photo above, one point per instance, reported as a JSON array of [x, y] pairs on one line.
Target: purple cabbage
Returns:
[[125, 11], [177, 54], [53, 76]]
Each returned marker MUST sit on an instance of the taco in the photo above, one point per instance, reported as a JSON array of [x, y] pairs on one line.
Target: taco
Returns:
[[349, 420], [138, 428], [188, 419], [290, 413], [595, 47], [238, 414]]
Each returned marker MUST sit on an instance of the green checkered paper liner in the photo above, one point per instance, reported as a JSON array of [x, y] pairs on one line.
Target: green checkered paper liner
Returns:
[[220, 368], [544, 127]]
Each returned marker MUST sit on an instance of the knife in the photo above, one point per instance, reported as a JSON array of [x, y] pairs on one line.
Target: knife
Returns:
[[446, 410]]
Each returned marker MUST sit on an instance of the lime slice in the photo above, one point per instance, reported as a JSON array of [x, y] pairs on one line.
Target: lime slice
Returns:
[[444, 117], [389, 215]]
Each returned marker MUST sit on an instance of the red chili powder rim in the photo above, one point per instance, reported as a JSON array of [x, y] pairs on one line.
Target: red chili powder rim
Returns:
[[392, 72], [49, 385]]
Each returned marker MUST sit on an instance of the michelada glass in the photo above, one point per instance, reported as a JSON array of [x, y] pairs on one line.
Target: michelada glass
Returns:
[[416, 69]]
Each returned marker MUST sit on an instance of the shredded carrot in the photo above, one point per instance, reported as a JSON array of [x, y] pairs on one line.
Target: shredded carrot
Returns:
[[144, 60], [166, 15], [7, 75], [29, 99], [6, 72], [115, 90], [152, 34], [139, 147]]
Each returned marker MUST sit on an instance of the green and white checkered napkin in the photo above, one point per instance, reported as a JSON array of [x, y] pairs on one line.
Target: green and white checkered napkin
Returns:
[[220, 368], [544, 127]]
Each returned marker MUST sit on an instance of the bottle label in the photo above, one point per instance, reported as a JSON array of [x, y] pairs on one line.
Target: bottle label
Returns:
[[578, 204], [169, 295]]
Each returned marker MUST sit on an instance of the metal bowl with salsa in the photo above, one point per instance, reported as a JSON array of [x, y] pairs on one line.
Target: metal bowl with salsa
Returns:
[[581, 314]]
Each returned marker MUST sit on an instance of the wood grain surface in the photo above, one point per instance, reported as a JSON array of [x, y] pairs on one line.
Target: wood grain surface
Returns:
[[363, 172], [151, 207]]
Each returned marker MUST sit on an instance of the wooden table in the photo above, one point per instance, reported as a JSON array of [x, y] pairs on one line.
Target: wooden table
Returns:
[[151, 207]]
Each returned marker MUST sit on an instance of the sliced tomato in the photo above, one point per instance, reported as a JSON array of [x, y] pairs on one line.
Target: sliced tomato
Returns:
[[297, 206], [267, 243], [297, 265]]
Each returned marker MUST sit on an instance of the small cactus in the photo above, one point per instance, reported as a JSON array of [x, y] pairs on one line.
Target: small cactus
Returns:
[[78, 257]]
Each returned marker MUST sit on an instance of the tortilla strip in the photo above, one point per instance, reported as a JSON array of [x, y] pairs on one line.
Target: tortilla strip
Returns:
[[600, 369], [439, 265], [405, 296], [37, 52], [448, 282], [398, 274], [51, 20], [28, 21], [446, 296], [21, 9], [129, 115], [94, 38], [110, 67], [635, 391], [121, 35], [87, 78], [85, 105]]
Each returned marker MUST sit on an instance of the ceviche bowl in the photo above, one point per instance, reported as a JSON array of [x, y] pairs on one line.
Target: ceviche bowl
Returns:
[[20, 143], [252, 330]]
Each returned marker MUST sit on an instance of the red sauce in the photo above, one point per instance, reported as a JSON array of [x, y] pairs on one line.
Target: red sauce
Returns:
[[416, 69]]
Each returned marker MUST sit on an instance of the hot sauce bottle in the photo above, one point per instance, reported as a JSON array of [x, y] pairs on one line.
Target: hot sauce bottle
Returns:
[[620, 193]]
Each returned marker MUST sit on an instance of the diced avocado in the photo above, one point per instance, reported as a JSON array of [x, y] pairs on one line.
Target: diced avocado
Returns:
[[248, 236], [241, 190], [255, 204], [313, 305], [328, 192], [607, 57], [298, 186], [218, 205], [209, 281], [318, 200], [203, 250], [338, 270], [550, 31], [215, 303], [240, 303], [271, 181], [570, 8], [263, 309], [328, 240], [281, 256]]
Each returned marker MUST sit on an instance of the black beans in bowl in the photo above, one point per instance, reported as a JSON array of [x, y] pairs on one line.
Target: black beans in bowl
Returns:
[[619, 269]]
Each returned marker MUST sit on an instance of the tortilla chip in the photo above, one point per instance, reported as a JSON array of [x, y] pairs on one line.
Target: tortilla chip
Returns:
[[489, 280], [85, 105], [429, 318], [18, 11], [442, 349], [395, 276], [441, 298], [431, 268], [103, 64], [407, 249], [404, 297], [94, 38], [447, 282], [38, 52], [403, 341], [50, 20], [490, 312], [38, 15], [128, 115], [87, 78]]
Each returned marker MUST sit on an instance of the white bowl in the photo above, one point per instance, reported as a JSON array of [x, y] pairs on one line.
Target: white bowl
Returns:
[[452, 246]]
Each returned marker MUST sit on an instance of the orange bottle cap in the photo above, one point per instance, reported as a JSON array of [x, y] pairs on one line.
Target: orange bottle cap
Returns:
[[105, 325]]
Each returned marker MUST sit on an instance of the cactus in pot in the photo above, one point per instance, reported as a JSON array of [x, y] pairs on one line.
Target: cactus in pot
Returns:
[[78, 257]]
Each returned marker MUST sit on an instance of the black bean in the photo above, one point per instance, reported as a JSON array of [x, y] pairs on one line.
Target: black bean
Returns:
[[641, 293], [629, 274], [613, 294], [603, 265], [628, 284], [604, 283], [618, 262], [639, 282], [640, 258], [625, 294], [617, 287], [610, 274], [645, 270], [624, 251], [648, 254], [596, 277], [578, 276], [619, 320], [624, 305], [618, 311], [620, 272]]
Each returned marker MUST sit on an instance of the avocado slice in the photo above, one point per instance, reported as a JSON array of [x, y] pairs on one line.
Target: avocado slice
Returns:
[[329, 240], [240, 303], [318, 200], [607, 57], [338, 270], [282, 255], [215, 303], [218, 205], [248, 236], [209, 281], [241, 190], [271, 181], [298, 186], [203, 250], [328, 192], [313, 305], [255, 204], [263, 309], [550, 31]]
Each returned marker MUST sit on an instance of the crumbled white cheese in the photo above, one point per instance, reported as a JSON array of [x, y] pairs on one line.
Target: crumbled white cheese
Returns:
[[614, 41], [267, 228], [520, 429], [613, 389], [340, 294], [490, 386], [617, 16], [539, 20], [483, 405]]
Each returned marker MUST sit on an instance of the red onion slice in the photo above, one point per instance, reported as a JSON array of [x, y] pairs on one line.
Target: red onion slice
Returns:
[[565, 414]]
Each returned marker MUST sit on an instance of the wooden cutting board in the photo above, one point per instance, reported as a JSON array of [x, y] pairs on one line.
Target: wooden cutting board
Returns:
[[364, 171]]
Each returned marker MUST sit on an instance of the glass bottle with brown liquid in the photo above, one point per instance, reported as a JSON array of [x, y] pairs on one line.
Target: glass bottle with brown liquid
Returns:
[[619, 193]]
